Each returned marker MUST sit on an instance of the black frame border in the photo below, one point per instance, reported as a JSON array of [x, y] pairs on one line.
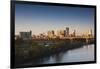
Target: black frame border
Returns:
[[12, 31]]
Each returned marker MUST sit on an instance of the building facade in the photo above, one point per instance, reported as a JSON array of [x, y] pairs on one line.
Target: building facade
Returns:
[[26, 35], [67, 31]]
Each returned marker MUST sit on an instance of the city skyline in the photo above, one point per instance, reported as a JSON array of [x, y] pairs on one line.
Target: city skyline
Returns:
[[39, 18], [64, 32]]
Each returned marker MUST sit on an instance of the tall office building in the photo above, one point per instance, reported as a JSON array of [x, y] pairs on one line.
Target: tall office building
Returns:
[[64, 33], [61, 33], [74, 33], [51, 33], [67, 31], [26, 35], [90, 33]]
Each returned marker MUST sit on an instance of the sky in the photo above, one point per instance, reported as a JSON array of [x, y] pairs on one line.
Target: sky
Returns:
[[41, 18]]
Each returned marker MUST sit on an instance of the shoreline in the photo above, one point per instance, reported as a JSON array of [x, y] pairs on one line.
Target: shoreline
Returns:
[[36, 52]]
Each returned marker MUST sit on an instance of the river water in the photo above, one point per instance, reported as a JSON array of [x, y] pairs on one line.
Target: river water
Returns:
[[85, 53]]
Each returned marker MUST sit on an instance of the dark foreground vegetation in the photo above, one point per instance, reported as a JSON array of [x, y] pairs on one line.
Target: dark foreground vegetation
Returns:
[[31, 50]]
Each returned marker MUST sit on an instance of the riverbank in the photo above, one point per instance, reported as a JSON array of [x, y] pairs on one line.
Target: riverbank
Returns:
[[26, 51]]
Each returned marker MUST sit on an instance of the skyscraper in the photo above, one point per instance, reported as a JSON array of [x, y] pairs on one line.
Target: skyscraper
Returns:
[[64, 33], [26, 35], [51, 33], [91, 32], [67, 31], [74, 33]]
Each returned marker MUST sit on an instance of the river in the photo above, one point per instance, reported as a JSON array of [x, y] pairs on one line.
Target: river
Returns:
[[85, 53]]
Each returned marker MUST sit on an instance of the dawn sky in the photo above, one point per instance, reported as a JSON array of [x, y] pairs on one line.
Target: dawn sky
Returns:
[[39, 18]]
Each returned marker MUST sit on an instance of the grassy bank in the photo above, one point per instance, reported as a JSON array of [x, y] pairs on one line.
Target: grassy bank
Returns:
[[30, 50]]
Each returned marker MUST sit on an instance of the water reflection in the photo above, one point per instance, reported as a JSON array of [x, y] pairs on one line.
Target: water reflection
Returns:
[[85, 53], [57, 58]]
